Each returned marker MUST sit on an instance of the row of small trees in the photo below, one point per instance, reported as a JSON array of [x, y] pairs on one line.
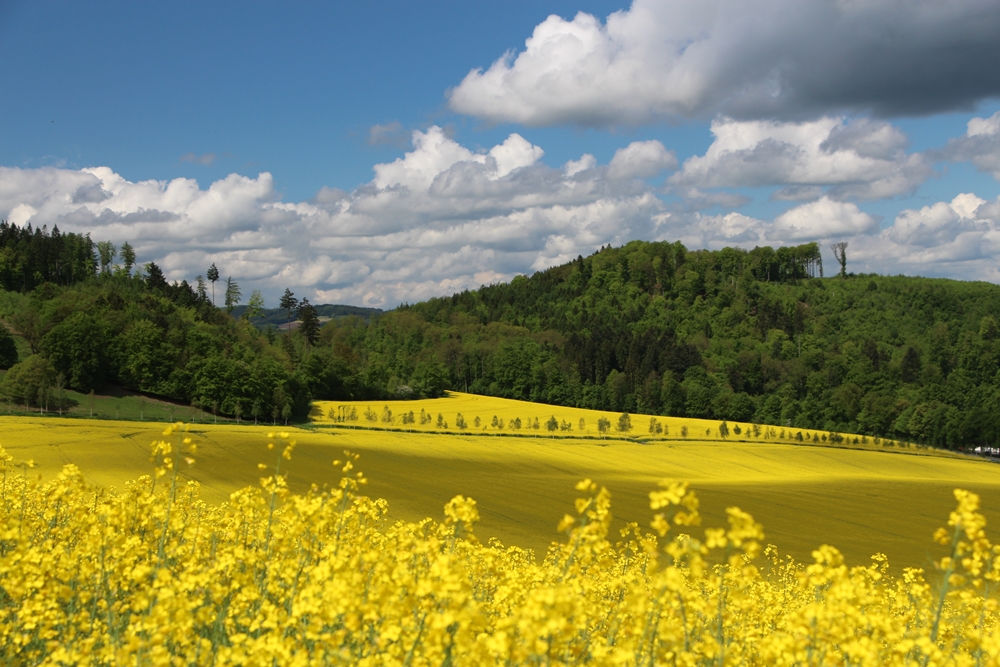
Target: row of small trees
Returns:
[[343, 413], [623, 425]]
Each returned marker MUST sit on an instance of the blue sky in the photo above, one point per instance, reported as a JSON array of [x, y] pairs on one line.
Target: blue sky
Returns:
[[355, 154]]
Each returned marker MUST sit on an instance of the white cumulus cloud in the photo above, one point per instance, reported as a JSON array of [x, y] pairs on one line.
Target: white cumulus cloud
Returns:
[[938, 224], [641, 159], [440, 218], [861, 159], [663, 59], [980, 145], [821, 219]]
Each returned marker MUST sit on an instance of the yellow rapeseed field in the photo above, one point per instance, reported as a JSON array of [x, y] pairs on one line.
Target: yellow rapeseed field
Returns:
[[154, 575], [883, 498], [458, 412]]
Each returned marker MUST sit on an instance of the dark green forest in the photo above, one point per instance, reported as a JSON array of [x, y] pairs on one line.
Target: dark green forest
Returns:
[[732, 334], [87, 323]]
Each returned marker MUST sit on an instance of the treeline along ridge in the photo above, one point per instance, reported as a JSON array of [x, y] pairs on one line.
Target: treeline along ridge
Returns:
[[753, 335], [653, 328]]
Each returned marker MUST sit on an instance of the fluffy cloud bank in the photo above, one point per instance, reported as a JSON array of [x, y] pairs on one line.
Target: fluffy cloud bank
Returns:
[[820, 220], [980, 145], [443, 218], [663, 59], [858, 159], [439, 219]]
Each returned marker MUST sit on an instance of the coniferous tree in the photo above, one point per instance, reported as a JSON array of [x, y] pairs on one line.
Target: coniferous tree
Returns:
[[201, 291], [31, 257], [233, 295], [310, 321], [289, 303], [154, 277], [128, 257], [213, 275]]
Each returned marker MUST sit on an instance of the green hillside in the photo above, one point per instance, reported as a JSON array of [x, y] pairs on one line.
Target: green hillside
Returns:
[[748, 336], [732, 334]]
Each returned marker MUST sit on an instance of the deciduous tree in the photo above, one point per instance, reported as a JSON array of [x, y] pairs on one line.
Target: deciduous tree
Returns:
[[624, 423], [106, 254], [77, 348], [840, 254], [24, 381], [256, 306]]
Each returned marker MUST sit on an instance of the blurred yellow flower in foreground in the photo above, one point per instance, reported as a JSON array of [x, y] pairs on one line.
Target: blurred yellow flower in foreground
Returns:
[[153, 575]]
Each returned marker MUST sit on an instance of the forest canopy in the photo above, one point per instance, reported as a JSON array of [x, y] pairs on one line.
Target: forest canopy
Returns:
[[754, 335], [744, 335]]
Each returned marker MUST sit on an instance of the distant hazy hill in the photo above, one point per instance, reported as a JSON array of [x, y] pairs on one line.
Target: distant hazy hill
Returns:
[[278, 317]]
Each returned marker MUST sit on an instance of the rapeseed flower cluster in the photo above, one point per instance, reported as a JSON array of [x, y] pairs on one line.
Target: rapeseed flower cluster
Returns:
[[152, 575]]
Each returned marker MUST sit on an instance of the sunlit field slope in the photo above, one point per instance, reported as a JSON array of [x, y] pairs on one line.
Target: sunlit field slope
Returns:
[[458, 412], [861, 500]]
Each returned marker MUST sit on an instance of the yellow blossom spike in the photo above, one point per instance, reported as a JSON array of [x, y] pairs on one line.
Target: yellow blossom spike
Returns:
[[566, 523]]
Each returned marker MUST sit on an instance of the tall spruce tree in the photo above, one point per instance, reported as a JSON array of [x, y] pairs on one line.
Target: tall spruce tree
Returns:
[[310, 321], [213, 275], [289, 303], [128, 257]]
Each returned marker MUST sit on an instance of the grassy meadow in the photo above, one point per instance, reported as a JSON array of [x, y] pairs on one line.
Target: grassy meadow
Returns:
[[860, 498], [112, 403]]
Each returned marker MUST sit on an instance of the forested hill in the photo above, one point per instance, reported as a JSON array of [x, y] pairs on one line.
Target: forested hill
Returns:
[[731, 334], [755, 335], [75, 318]]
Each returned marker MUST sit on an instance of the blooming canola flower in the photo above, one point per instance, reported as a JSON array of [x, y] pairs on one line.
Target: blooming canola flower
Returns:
[[155, 575]]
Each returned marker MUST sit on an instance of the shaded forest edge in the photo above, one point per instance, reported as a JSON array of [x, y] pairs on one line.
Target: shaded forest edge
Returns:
[[76, 322], [752, 336]]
